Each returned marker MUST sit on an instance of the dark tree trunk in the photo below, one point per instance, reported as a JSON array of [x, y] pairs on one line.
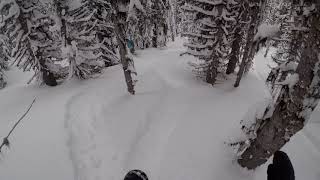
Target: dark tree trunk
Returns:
[[293, 106], [250, 45], [3, 83], [155, 37], [234, 58], [119, 20], [48, 77], [172, 32], [246, 56], [212, 73], [60, 8]]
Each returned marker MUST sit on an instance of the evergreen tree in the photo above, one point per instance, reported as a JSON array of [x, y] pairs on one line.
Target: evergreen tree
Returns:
[[149, 23], [157, 9], [27, 27], [183, 17], [288, 53], [86, 36], [210, 35], [297, 100], [138, 25], [172, 18], [237, 37], [254, 10], [104, 30]]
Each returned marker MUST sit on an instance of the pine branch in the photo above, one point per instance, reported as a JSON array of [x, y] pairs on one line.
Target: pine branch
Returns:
[[5, 141]]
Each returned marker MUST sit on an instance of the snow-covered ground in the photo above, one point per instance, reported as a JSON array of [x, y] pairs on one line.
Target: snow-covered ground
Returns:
[[174, 128]]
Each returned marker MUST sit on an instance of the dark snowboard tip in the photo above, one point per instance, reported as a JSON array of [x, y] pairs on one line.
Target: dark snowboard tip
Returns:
[[281, 167], [136, 175]]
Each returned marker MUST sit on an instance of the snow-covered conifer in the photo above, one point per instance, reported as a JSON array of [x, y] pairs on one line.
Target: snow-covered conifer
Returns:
[[289, 51], [86, 33], [210, 35], [298, 97], [157, 12], [27, 26], [254, 12], [138, 25]]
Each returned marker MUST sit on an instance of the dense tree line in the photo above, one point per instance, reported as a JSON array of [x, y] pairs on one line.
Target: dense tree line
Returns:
[[61, 39], [225, 35]]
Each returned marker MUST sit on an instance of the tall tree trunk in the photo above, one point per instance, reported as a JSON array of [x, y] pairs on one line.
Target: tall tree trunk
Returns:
[[212, 71], [61, 10], [119, 20], [155, 36], [234, 58], [3, 83], [250, 45], [246, 55], [294, 106]]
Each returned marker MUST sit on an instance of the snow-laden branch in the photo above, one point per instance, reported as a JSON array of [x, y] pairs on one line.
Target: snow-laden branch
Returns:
[[200, 35], [137, 4], [14, 11], [84, 19], [218, 2]]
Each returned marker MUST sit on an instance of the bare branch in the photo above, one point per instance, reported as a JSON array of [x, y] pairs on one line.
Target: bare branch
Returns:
[[5, 141]]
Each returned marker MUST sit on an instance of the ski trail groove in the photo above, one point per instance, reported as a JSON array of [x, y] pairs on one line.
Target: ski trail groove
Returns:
[[150, 135], [67, 117]]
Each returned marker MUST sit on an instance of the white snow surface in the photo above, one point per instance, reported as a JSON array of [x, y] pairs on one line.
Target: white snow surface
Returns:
[[174, 128], [291, 80], [266, 31], [289, 66]]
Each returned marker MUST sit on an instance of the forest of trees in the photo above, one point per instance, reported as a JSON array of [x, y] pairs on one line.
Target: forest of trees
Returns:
[[59, 40]]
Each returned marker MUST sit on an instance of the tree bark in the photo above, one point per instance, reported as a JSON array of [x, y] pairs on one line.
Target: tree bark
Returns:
[[155, 36], [234, 58], [293, 107], [247, 55], [3, 83], [212, 71], [119, 20]]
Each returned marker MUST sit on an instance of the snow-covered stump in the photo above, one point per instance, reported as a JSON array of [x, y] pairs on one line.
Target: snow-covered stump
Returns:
[[293, 107]]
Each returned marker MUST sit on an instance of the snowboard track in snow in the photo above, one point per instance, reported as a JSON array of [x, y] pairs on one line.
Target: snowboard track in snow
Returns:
[[112, 134]]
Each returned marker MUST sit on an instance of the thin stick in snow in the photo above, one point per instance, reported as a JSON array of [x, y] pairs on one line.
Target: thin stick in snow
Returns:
[[5, 141]]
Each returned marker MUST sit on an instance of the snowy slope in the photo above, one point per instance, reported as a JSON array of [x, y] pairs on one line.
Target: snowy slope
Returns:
[[175, 127]]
